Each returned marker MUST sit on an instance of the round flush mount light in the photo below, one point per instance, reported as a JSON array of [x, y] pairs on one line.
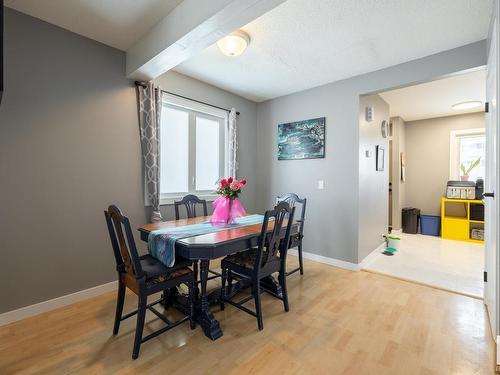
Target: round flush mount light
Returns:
[[467, 105], [234, 44]]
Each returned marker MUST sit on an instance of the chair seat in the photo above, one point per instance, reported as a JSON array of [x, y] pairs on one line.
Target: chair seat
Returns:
[[156, 272], [244, 259]]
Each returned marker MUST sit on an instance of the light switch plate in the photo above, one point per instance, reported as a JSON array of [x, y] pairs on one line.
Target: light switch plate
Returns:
[[368, 153], [321, 184]]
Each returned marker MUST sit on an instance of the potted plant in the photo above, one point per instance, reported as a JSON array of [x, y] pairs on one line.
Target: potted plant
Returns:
[[467, 171], [227, 208]]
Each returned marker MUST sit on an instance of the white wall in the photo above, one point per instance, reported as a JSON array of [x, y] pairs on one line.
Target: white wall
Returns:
[[332, 228]]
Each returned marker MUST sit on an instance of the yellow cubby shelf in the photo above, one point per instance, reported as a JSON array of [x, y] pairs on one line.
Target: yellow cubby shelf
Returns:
[[477, 241], [458, 227]]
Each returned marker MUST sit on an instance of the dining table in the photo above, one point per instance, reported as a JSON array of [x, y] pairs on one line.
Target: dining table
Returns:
[[201, 249]]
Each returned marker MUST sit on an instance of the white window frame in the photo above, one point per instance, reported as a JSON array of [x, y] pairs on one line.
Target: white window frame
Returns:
[[202, 110], [455, 136]]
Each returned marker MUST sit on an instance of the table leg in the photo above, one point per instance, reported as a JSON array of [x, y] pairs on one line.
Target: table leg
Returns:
[[205, 317], [196, 289]]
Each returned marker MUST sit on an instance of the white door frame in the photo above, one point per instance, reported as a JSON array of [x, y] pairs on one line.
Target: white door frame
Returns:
[[492, 180]]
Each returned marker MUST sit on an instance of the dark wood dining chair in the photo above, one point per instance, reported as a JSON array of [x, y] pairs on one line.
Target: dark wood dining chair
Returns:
[[257, 263], [143, 275], [296, 239], [190, 202]]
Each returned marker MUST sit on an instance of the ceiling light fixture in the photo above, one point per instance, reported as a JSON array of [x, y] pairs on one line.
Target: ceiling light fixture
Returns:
[[234, 44], [467, 105]]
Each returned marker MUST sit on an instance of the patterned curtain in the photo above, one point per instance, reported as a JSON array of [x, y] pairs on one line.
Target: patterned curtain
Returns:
[[233, 143], [149, 99]]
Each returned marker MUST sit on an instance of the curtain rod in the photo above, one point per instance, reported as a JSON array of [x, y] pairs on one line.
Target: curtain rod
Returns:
[[137, 83]]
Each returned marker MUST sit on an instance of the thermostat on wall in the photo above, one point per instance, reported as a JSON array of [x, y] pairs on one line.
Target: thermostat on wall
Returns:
[[369, 114]]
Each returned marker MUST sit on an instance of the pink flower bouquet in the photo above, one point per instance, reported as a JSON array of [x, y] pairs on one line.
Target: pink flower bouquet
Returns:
[[227, 208]]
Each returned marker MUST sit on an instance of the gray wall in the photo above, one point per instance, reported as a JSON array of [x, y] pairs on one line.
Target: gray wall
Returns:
[[69, 146], [398, 186], [373, 211], [428, 158], [332, 221], [330, 212]]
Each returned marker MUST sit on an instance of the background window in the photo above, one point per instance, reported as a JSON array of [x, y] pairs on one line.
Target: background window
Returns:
[[207, 153], [192, 146], [471, 149], [467, 146], [174, 151]]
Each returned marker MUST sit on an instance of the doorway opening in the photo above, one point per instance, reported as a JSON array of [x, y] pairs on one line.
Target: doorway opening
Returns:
[[436, 168]]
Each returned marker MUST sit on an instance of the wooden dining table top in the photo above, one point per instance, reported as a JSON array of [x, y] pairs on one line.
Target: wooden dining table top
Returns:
[[209, 239]]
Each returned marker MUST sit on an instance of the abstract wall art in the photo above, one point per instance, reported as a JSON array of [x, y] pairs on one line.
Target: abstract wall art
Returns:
[[302, 139]]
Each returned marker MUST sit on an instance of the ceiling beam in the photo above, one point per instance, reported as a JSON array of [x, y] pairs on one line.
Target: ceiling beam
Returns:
[[190, 28]]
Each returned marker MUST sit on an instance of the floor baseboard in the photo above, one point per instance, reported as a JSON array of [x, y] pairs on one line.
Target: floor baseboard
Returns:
[[341, 263], [326, 260], [28, 311]]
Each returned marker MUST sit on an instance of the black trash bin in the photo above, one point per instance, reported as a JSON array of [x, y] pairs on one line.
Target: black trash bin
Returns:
[[409, 219]]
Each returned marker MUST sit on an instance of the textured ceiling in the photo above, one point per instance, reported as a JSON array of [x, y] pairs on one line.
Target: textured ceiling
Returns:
[[117, 23], [302, 43], [434, 99]]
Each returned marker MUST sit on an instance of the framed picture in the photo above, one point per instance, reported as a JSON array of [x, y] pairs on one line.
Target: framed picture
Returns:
[[302, 139], [380, 158]]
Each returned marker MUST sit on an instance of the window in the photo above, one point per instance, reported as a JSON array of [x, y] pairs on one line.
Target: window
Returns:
[[192, 147], [466, 146]]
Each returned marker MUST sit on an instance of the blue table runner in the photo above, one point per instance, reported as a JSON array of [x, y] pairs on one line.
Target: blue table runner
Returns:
[[161, 242]]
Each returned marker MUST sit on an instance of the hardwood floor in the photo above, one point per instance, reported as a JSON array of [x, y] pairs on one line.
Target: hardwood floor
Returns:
[[340, 322]]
